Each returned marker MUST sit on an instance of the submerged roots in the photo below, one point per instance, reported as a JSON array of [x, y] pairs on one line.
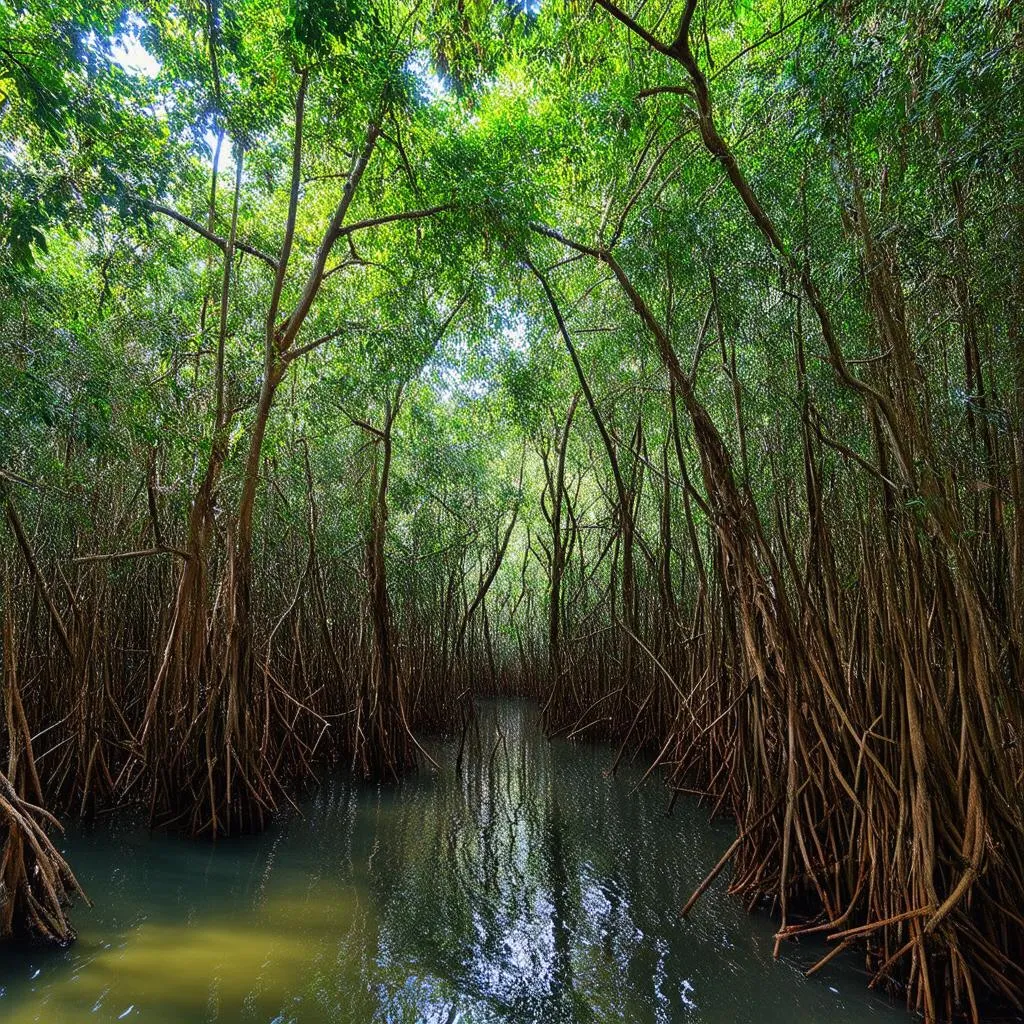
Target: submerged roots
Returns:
[[36, 883]]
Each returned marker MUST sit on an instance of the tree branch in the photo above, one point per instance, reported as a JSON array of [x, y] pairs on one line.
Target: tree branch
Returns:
[[620, 15], [198, 228], [658, 90], [294, 353], [293, 205], [288, 330], [549, 232], [390, 218], [141, 553], [366, 426]]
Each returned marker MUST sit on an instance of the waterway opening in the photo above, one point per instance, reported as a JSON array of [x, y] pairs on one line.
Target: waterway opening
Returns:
[[529, 886]]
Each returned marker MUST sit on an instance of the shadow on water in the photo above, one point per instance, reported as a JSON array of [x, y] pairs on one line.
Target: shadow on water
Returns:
[[528, 887]]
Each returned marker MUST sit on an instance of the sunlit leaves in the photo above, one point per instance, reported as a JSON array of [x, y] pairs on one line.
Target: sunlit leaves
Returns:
[[495, 115]]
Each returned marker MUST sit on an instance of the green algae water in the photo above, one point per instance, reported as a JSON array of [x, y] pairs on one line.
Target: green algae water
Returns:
[[528, 886]]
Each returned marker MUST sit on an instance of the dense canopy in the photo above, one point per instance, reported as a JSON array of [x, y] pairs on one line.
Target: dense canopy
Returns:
[[663, 362]]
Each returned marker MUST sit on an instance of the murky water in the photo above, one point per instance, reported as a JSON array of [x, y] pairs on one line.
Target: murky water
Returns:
[[529, 887]]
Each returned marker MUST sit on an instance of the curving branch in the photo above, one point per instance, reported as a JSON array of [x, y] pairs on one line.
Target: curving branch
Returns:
[[390, 218], [210, 236]]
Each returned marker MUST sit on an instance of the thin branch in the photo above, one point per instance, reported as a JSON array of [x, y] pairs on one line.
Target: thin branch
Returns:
[[198, 228], [390, 218], [141, 553], [641, 187], [30, 557], [293, 205], [356, 422], [765, 38], [288, 330], [620, 15], [549, 232], [658, 90], [294, 353]]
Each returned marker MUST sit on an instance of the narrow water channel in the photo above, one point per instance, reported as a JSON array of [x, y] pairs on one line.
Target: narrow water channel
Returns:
[[528, 887]]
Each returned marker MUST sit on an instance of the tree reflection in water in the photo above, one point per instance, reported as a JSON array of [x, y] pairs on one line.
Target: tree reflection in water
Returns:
[[524, 886]]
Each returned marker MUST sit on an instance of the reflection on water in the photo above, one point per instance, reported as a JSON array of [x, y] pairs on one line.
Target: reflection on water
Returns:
[[527, 888]]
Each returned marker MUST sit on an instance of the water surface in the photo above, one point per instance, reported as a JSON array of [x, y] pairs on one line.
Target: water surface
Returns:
[[527, 887]]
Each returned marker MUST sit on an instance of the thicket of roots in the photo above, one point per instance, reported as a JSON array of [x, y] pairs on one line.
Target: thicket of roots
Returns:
[[846, 687], [36, 882], [838, 671], [149, 684], [854, 704]]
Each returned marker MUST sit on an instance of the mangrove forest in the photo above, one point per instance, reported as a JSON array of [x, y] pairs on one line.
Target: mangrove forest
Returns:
[[510, 510]]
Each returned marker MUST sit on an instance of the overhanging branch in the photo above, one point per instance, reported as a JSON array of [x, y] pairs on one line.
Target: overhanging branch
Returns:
[[210, 236]]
